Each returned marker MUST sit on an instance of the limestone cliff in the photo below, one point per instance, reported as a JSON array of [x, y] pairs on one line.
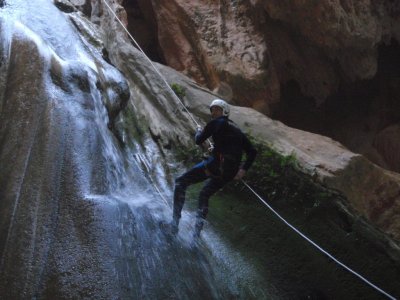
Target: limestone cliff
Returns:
[[310, 64], [315, 43], [89, 130], [265, 44]]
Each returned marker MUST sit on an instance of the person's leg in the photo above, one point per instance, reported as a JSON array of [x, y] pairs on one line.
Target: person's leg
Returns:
[[196, 174], [210, 188]]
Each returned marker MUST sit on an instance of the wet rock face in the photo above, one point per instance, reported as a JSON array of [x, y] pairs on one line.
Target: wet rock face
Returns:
[[356, 114], [55, 94], [64, 5], [61, 231], [348, 31], [247, 50], [253, 52], [116, 94], [82, 5], [140, 21], [387, 144], [217, 44], [322, 158]]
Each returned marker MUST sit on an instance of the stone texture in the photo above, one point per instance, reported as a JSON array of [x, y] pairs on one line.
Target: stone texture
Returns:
[[62, 235], [345, 30], [371, 191], [64, 5], [246, 50], [53, 84], [220, 46], [387, 143]]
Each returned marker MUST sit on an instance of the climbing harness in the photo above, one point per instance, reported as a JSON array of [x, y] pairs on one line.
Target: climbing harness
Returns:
[[252, 190]]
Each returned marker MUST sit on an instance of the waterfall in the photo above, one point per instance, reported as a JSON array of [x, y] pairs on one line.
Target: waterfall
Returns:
[[79, 211], [86, 175]]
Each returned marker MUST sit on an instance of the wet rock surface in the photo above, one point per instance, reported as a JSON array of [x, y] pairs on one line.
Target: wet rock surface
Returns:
[[51, 158], [277, 41], [64, 5], [252, 53], [292, 267], [79, 212]]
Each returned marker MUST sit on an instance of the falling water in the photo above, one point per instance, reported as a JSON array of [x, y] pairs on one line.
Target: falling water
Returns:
[[91, 221], [80, 211]]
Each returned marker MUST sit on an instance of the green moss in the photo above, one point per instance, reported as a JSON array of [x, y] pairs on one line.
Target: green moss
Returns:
[[278, 178], [277, 253], [189, 155], [131, 125], [179, 90], [274, 176]]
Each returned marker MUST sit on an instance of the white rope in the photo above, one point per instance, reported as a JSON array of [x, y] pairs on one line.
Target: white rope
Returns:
[[261, 199], [147, 169], [149, 60], [159, 192], [151, 181], [317, 246]]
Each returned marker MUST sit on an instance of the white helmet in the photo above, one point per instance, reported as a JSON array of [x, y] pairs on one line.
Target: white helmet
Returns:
[[223, 105]]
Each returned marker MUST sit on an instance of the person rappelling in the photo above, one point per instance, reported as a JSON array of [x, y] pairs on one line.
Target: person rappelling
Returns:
[[223, 165]]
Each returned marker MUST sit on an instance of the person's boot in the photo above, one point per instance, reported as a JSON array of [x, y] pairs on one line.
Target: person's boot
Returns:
[[170, 228], [174, 226], [196, 234]]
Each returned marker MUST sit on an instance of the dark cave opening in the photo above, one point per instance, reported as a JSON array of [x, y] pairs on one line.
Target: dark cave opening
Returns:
[[364, 115], [142, 26], [295, 109]]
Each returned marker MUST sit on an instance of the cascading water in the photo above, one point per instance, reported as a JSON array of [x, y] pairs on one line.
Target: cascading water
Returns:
[[79, 213], [80, 201]]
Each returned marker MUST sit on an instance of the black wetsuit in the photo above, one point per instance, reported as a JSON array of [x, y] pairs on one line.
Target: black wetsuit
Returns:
[[222, 165]]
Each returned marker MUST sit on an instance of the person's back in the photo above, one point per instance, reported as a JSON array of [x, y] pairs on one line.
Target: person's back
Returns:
[[229, 140], [221, 167]]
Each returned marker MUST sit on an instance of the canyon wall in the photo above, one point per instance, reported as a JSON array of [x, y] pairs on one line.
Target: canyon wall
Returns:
[[329, 67]]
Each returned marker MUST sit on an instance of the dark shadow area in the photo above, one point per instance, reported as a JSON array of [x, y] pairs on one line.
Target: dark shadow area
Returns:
[[358, 115], [143, 27], [291, 265], [299, 111]]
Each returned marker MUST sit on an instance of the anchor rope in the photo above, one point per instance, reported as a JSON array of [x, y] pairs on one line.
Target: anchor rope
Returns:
[[151, 63], [317, 246], [248, 186]]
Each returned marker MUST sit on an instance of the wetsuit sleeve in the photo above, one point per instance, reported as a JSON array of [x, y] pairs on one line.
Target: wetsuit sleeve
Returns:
[[251, 153], [201, 136]]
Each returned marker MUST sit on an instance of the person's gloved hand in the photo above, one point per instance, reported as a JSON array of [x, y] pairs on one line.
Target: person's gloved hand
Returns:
[[240, 174], [199, 129]]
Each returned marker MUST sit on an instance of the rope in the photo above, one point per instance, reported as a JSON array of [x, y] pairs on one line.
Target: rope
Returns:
[[147, 169], [317, 246], [258, 196], [154, 67]]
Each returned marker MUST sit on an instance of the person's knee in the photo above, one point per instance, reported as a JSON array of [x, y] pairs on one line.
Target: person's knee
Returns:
[[181, 183], [209, 189], [204, 194]]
